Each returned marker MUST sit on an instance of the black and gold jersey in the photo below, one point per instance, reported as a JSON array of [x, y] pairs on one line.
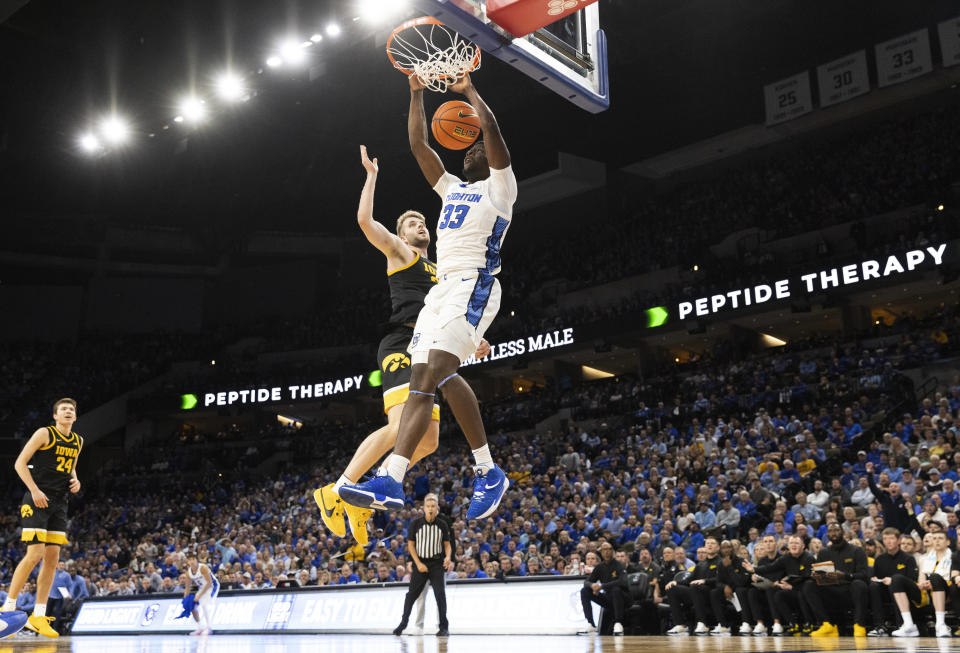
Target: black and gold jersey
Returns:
[[409, 286], [52, 464]]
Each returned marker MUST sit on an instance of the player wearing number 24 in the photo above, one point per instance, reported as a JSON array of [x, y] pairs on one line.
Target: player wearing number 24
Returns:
[[47, 465]]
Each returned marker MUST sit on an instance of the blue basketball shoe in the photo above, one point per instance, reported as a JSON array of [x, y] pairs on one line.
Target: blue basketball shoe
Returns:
[[12, 622], [379, 493], [489, 486]]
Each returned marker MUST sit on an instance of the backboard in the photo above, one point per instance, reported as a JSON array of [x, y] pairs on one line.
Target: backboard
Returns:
[[568, 57]]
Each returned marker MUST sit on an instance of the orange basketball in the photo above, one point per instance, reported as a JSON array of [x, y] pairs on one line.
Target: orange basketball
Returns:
[[455, 125]]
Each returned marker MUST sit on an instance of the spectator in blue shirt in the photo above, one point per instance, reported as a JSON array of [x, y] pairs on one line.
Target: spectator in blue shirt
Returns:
[[473, 571], [950, 497], [705, 517], [78, 587], [860, 467], [693, 540], [26, 600], [850, 431], [946, 472], [809, 511], [347, 575], [789, 474], [630, 532], [849, 480], [226, 551]]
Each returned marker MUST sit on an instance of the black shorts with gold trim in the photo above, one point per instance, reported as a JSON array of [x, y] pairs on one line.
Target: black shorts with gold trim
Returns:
[[46, 525], [395, 368]]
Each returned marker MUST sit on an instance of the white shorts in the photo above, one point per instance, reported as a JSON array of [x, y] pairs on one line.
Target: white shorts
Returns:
[[455, 315]]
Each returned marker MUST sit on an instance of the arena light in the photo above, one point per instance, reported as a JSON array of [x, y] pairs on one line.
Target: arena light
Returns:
[[940, 207], [592, 373], [292, 52], [192, 109], [378, 10], [114, 130], [316, 38], [333, 30], [274, 61], [89, 143], [230, 87], [772, 341]]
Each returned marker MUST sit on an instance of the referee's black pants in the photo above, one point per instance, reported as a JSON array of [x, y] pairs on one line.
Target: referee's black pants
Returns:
[[418, 580]]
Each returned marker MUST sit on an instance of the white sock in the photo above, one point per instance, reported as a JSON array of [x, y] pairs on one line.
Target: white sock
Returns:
[[343, 480], [907, 619], [397, 467], [483, 457], [9, 605], [941, 618], [40, 610]]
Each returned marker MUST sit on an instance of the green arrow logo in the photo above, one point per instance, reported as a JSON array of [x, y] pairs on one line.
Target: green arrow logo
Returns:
[[187, 401], [374, 379], [656, 316]]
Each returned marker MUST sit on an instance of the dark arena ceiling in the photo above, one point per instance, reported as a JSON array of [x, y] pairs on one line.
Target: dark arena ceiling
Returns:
[[681, 71]]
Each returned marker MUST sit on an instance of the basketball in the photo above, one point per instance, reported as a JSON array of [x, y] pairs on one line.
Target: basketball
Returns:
[[455, 125]]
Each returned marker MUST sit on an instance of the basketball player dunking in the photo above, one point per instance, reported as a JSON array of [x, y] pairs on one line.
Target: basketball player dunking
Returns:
[[411, 275], [459, 309]]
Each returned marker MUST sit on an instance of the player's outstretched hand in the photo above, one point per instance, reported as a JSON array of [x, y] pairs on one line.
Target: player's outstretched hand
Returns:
[[74, 485], [39, 499], [462, 85], [372, 167], [415, 83]]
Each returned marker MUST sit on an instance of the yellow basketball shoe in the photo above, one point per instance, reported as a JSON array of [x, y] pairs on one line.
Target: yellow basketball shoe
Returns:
[[42, 625], [331, 510], [358, 522], [826, 629]]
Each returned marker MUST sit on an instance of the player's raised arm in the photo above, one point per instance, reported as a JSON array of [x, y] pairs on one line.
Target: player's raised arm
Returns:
[[376, 233], [430, 164], [498, 156]]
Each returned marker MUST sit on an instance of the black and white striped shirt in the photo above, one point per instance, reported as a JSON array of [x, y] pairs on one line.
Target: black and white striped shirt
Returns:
[[428, 537]]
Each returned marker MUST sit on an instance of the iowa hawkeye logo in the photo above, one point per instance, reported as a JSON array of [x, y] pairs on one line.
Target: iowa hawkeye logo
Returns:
[[26, 511], [395, 362]]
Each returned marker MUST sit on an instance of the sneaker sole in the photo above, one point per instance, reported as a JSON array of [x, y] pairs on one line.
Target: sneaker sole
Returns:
[[496, 504], [363, 499]]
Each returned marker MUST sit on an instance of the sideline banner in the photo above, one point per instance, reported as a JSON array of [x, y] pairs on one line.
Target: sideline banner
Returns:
[[521, 607]]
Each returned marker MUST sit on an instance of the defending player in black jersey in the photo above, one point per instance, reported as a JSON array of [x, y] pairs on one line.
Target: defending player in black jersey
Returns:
[[48, 467], [410, 274]]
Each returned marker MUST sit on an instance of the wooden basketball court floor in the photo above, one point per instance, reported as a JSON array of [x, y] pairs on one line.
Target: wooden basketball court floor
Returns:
[[343, 643]]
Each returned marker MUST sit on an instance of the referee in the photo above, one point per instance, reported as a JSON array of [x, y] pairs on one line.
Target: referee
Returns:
[[429, 544]]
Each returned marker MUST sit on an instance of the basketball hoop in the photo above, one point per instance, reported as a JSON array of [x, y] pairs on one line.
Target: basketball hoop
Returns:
[[436, 54]]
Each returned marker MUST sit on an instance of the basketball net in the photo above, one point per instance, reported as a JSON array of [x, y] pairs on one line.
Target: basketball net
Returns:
[[436, 54]]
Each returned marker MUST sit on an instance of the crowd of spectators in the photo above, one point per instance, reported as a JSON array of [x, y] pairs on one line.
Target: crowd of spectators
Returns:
[[775, 444]]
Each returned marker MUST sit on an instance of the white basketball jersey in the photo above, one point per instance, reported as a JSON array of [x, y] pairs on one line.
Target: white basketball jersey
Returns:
[[198, 578], [474, 221]]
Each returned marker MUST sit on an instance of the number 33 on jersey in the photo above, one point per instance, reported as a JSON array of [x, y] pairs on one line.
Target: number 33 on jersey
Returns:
[[473, 221]]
